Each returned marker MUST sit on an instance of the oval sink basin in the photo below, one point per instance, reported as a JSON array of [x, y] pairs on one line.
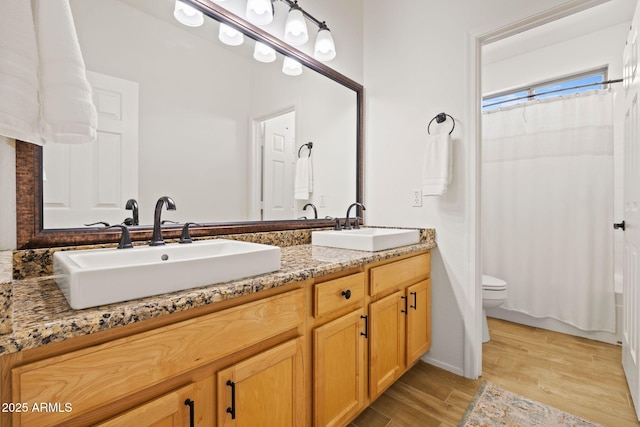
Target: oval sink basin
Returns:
[[104, 276], [366, 239]]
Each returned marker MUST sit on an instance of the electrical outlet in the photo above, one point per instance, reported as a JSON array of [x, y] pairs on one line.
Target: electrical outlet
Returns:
[[416, 198]]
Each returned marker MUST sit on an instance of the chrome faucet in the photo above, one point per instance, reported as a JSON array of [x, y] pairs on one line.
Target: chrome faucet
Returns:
[[156, 238], [132, 205], [347, 226], [315, 210]]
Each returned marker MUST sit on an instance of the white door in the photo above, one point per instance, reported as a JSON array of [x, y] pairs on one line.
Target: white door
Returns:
[[631, 280], [279, 167], [86, 183]]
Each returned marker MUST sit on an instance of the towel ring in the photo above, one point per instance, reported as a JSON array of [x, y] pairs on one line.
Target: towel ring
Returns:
[[309, 145], [439, 118]]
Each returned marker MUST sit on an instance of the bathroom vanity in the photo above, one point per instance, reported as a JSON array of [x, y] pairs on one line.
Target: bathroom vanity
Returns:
[[311, 344]]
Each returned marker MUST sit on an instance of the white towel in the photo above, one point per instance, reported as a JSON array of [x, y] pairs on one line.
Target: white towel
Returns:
[[67, 111], [438, 165], [303, 183], [19, 106], [44, 93]]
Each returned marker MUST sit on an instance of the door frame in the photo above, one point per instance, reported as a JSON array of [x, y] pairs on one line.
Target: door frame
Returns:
[[473, 318]]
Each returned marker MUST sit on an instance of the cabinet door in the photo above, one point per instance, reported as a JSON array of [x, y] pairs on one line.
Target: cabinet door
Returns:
[[187, 406], [339, 369], [386, 341], [266, 389], [418, 320]]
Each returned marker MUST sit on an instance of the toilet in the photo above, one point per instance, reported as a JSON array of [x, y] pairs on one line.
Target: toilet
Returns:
[[494, 292]]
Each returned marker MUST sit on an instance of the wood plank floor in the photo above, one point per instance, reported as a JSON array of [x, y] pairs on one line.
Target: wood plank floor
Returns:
[[573, 374]]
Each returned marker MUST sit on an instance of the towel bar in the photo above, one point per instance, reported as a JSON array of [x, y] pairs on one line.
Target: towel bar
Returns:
[[439, 118], [309, 145]]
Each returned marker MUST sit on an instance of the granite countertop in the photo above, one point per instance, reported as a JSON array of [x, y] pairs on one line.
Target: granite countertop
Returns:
[[41, 314]]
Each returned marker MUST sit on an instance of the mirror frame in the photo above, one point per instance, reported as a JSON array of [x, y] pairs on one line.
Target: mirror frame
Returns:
[[29, 192]]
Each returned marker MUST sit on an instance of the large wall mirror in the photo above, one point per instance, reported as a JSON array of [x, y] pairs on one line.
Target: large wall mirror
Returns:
[[182, 114]]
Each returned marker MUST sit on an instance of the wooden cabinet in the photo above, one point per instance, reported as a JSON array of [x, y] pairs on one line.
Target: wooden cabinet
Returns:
[[400, 320], [266, 389], [314, 352], [96, 380], [186, 406], [339, 355]]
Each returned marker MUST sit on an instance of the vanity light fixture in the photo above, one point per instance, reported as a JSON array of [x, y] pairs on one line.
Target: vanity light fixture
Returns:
[[264, 53], [230, 36], [259, 12], [187, 15], [295, 29], [325, 48], [291, 67]]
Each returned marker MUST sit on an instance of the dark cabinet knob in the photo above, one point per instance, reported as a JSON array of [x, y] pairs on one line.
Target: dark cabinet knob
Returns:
[[346, 294], [619, 225]]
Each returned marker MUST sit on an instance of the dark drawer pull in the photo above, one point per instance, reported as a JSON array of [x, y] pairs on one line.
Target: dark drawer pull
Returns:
[[346, 294], [232, 409], [366, 326], [192, 412]]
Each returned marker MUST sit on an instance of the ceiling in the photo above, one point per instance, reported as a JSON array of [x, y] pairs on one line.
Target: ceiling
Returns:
[[608, 14]]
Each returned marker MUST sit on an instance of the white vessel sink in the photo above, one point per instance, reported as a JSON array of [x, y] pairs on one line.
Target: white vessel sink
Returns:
[[366, 239], [103, 276]]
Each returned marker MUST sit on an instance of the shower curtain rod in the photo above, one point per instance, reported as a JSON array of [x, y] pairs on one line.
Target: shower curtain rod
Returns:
[[533, 96]]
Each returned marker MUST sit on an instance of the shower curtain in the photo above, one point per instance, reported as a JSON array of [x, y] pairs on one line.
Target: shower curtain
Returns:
[[547, 208]]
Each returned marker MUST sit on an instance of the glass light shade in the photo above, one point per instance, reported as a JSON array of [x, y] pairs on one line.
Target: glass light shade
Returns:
[[264, 53], [187, 15], [230, 36], [291, 67], [325, 48], [259, 12], [295, 29]]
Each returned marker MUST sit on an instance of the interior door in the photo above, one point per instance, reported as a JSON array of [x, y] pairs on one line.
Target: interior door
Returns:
[[279, 167], [631, 224], [71, 200]]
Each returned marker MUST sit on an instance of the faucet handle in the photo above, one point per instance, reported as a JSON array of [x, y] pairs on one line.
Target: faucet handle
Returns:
[[106, 224], [337, 226], [185, 237], [125, 239], [356, 224]]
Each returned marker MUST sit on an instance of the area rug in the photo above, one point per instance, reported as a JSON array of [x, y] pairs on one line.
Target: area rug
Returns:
[[495, 406]]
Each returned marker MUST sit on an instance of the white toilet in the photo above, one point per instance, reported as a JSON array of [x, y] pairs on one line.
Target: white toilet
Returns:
[[494, 292]]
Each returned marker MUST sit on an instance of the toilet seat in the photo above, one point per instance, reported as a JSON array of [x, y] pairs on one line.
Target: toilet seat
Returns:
[[490, 283]]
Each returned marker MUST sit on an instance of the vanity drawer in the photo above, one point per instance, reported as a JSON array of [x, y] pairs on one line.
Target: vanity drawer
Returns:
[[338, 293], [92, 377], [400, 273]]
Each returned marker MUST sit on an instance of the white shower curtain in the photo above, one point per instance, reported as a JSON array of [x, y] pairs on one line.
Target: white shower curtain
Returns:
[[547, 208]]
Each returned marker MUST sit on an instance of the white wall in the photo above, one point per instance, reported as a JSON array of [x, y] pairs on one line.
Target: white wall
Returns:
[[416, 62], [7, 193]]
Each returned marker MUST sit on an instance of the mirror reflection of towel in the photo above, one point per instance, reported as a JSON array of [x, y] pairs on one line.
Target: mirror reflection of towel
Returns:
[[438, 165], [303, 184], [44, 92]]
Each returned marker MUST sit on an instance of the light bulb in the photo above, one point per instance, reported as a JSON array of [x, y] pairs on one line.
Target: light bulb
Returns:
[[295, 29], [230, 36], [291, 67], [187, 15], [325, 48], [259, 12], [264, 53]]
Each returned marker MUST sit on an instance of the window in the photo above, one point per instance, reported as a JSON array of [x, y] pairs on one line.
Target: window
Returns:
[[574, 84]]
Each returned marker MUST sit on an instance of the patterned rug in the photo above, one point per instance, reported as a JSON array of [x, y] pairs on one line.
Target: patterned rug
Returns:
[[495, 406]]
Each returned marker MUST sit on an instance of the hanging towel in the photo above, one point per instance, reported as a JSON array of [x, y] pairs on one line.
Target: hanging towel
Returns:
[[67, 111], [438, 165], [19, 106], [303, 183], [44, 93]]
